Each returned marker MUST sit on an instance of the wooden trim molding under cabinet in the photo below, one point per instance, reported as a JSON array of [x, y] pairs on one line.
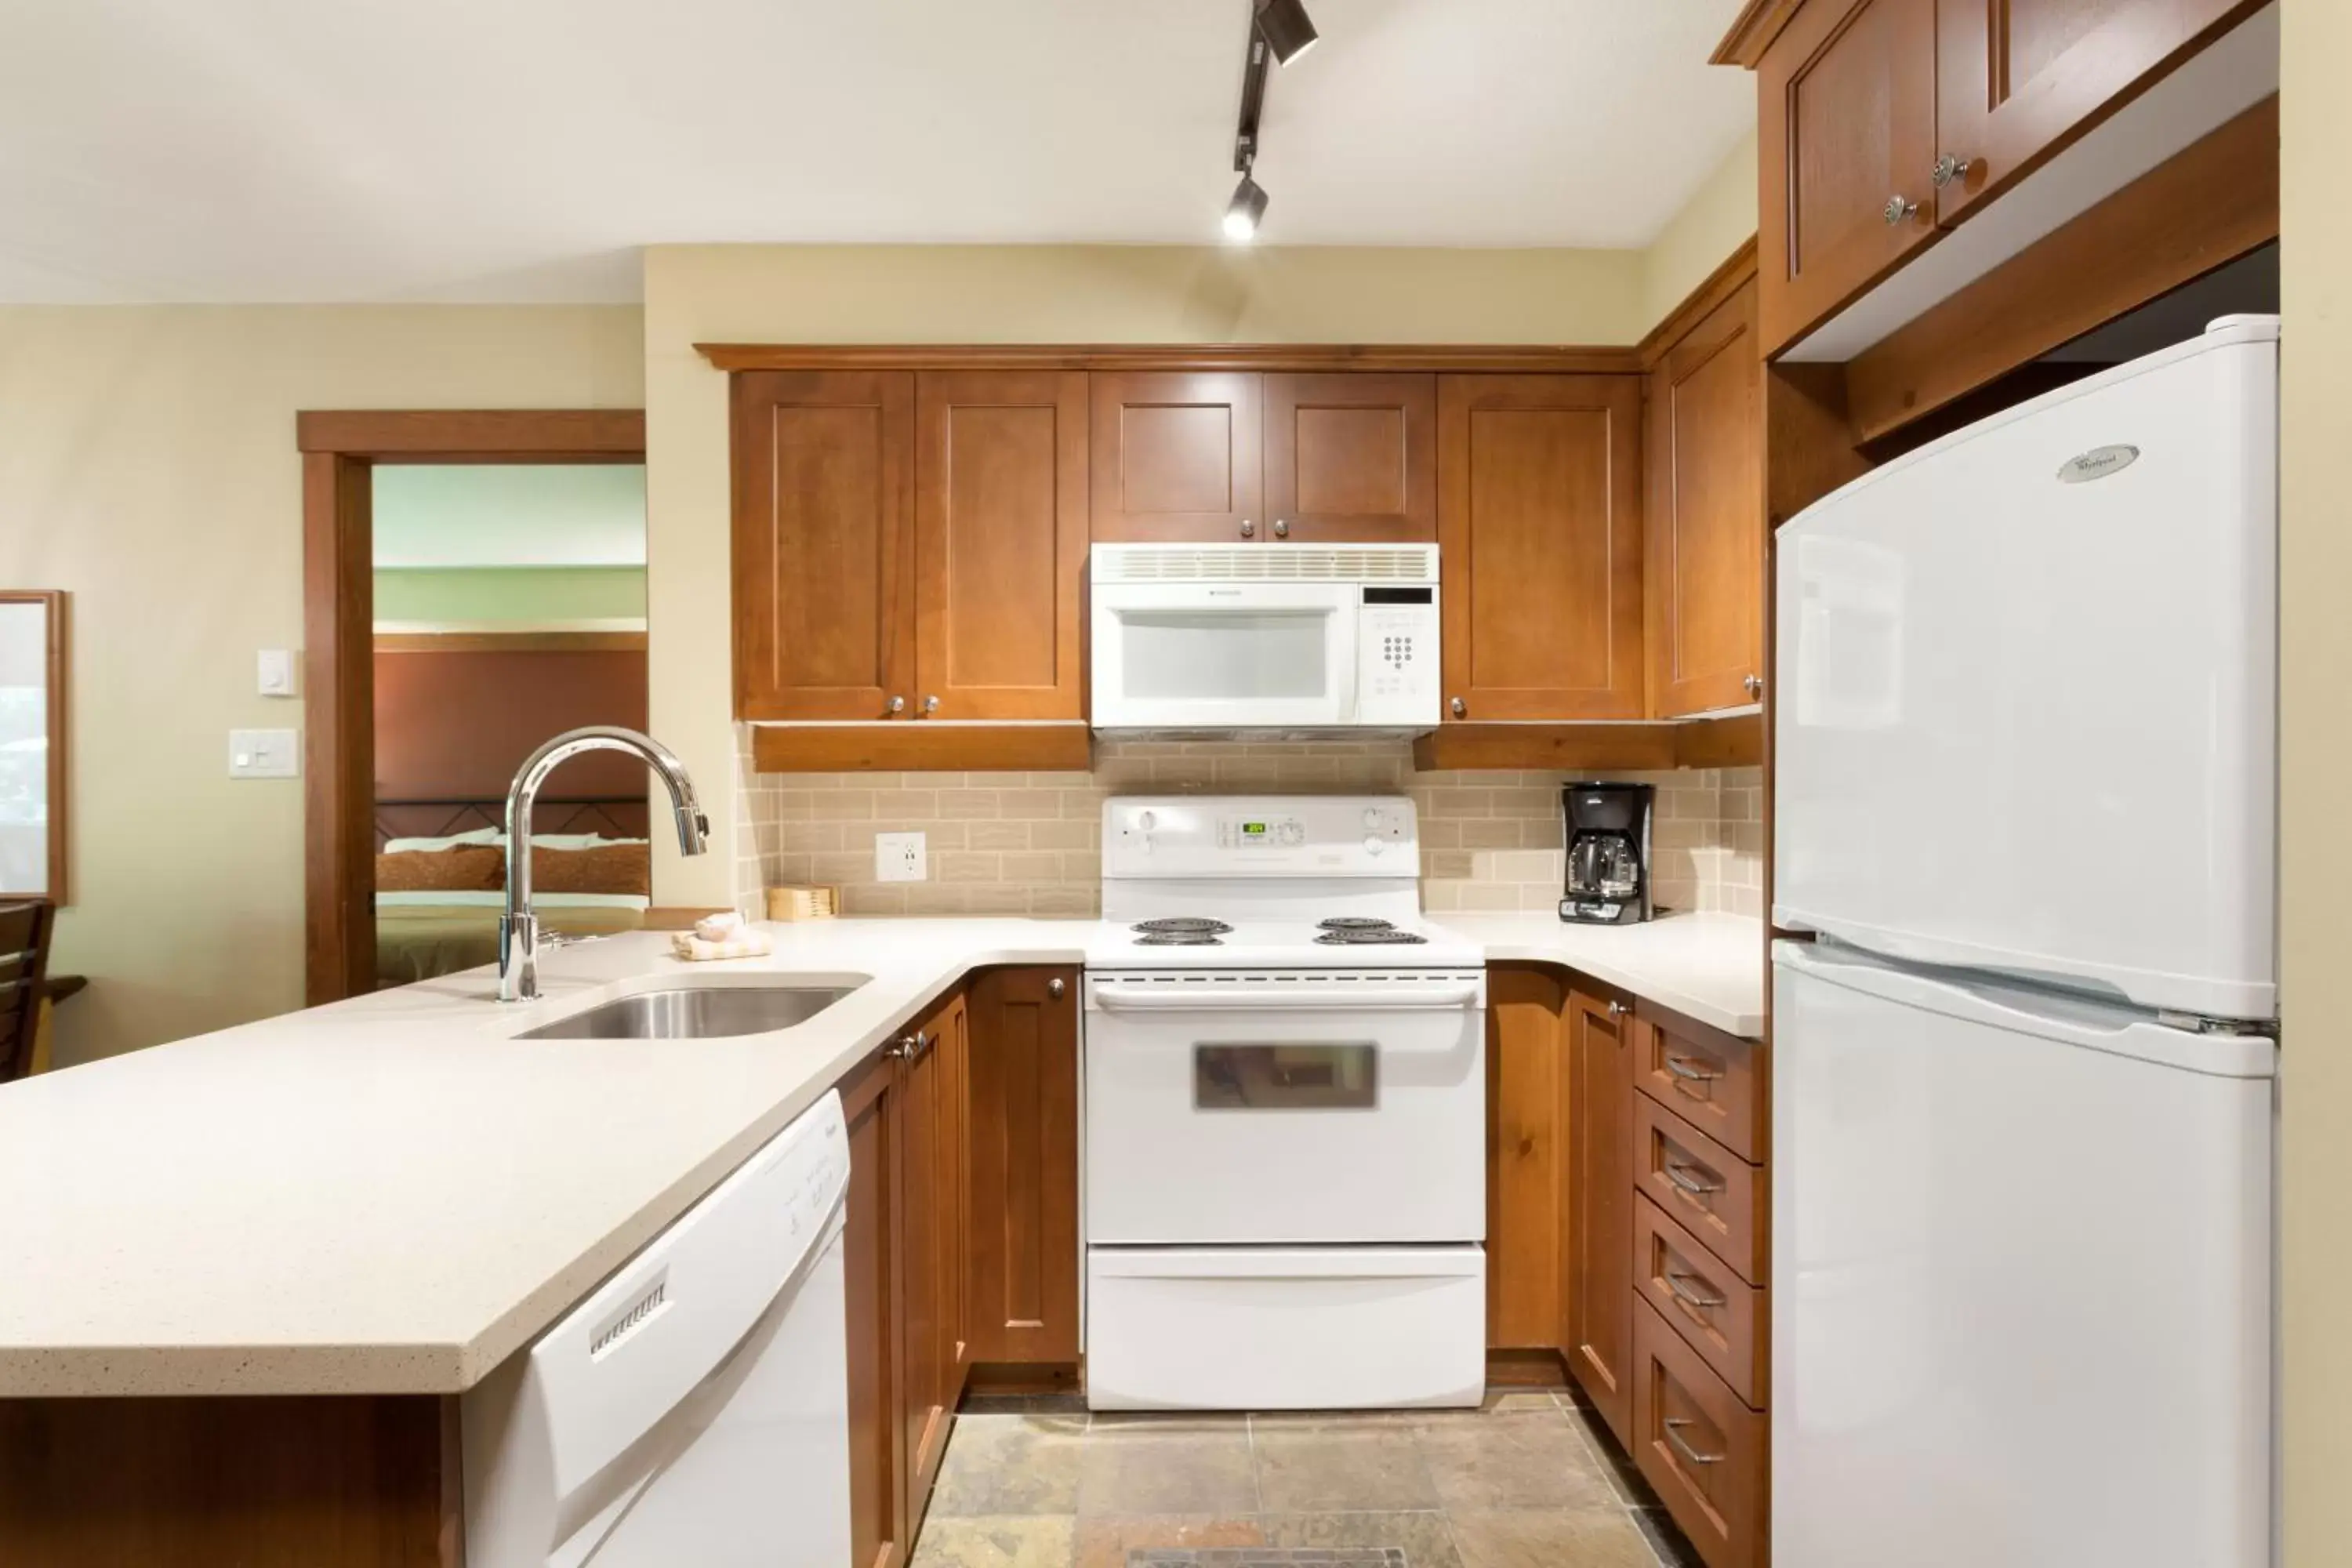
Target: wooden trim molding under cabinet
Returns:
[[912, 746]]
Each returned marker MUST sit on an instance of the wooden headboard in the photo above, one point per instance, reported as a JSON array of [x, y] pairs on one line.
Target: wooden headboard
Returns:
[[614, 816]]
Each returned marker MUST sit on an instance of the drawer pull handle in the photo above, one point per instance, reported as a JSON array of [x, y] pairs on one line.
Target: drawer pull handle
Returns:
[[1689, 1178], [1686, 1072], [1680, 1285], [1675, 1425]]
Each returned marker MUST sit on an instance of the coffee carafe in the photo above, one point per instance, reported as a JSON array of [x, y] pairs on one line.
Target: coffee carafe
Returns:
[[1608, 831]]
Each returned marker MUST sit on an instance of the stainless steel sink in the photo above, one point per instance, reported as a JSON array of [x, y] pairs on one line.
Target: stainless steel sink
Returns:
[[694, 1013]]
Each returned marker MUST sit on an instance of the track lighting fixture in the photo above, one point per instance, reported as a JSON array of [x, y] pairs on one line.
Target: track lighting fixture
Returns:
[[1247, 208], [1284, 26]]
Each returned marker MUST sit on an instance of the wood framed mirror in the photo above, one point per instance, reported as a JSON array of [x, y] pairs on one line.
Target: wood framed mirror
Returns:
[[33, 744]]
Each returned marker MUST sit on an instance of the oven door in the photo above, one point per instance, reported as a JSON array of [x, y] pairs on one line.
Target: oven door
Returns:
[[1235, 1109], [1223, 656]]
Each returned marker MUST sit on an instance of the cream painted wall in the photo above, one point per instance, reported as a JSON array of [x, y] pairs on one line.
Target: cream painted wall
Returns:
[[949, 294], [1712, 224], [2316, 757], [147, 467]]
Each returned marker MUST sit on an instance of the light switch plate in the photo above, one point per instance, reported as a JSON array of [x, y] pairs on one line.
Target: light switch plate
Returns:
[[265, 754], [899, 857], [275, 672]]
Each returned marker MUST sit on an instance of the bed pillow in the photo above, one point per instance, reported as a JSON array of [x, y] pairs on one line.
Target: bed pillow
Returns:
[[605, 869], [462, 869], [433, 846]]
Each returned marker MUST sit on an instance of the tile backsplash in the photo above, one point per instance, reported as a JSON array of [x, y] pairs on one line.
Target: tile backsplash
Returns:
[[1030, 844]]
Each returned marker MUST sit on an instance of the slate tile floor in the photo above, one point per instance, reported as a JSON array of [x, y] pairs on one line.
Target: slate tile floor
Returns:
[[1528, 1481]]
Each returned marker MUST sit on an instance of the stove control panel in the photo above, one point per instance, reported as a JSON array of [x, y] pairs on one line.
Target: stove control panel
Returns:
[[1227, 835]]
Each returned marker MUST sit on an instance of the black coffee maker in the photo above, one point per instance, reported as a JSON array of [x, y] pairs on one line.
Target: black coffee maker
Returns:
[[1608, 829]]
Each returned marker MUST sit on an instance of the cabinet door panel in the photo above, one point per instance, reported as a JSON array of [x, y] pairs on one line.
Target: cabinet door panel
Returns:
[[1528, 1144], [1846, 122], [823, 472], [1177, 455], [1540, 529], [1602, 1185], [2016, 79], [1001, 542], [1352, 457], [1705, 562], [925, 1229], [878, 1531], [1022, 1291]]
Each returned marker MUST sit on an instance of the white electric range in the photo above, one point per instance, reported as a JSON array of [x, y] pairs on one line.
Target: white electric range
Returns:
[[1285, 1114]]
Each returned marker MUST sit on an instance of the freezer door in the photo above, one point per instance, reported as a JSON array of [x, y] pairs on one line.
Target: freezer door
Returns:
[[2026, 686], [2021, 1280]]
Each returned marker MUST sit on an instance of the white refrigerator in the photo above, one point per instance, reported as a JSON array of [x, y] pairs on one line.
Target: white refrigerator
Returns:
[[2024, 1076]]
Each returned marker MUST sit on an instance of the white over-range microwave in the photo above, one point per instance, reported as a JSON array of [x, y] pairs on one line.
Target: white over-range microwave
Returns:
[[1214, 638]]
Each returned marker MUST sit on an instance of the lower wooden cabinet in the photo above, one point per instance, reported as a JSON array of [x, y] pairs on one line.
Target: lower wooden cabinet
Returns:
[[932, 1204], [1023, 1258], [1528, 1270], [1698, 1445], [879, 1532], [1600, 1206]]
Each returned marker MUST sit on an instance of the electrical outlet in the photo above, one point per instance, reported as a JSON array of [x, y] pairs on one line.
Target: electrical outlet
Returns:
[[899, 857]]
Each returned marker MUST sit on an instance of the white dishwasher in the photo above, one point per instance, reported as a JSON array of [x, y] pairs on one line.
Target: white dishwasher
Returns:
[[695, 1409]]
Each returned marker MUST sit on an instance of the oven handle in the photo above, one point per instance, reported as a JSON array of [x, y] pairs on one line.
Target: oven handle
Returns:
[[1115, 997]]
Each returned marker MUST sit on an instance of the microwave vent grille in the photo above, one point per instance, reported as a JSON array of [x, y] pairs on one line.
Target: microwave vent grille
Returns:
[[1267, 564]]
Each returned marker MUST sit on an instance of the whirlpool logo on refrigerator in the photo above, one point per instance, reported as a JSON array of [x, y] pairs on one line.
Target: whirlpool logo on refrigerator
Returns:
[[2096, 464]]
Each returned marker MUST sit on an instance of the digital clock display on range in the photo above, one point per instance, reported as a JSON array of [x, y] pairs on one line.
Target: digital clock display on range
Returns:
[[1253, 830]]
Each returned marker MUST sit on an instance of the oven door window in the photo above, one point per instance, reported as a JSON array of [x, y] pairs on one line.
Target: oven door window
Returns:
[[1290, 1077]]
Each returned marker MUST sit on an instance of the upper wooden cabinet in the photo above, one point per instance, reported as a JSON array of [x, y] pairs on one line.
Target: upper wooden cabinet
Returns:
[[2017, 78], [1846, 140], [1539, 531], [1351, 457], [824, 520], [909, 545], [1000, 543], [1705, 559], [1177, 455]]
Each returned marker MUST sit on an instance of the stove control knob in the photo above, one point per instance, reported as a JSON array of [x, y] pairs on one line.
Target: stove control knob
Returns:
[[1290, 834], [1374, 844], [1147, 821], [1373, 818]]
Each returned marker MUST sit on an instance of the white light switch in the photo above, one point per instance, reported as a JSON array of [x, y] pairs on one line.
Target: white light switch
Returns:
[[899, 857], [276, 667], [265, 754]]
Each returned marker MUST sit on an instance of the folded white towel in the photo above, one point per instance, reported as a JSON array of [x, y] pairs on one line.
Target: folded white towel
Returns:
[[724, 926], [749, 944]]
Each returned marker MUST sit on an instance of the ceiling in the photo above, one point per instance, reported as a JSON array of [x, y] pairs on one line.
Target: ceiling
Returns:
[[524, 150], [429, 516]]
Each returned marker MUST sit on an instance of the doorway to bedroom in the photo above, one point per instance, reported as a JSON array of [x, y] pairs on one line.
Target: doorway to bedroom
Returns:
[[509, 606]]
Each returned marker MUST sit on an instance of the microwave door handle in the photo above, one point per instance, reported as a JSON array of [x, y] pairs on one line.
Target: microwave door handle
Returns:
[[1114, 996]]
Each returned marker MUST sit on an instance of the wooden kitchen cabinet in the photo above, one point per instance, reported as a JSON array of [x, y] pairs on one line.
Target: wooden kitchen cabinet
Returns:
[[1601, 1206], [932, 1210], [1540, 529], [1528, 1111], [1000, 544], [1701, 1448], [1023, 1258], [1178, 456], [2018, 80], [824, 495], [1703, 564], [1352, 457], [880, 1533], [1846, 139]]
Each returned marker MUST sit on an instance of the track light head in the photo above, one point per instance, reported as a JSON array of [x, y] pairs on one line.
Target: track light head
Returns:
[[1284, 26], [1248, 206]]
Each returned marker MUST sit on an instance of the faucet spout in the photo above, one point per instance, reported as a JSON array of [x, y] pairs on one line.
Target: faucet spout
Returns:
[[518, 927]]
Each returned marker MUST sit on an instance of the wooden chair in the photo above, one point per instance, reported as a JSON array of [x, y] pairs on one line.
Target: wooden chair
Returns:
[[25, 931]]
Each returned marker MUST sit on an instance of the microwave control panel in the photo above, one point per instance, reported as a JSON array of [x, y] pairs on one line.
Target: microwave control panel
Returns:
[[1396, 658]]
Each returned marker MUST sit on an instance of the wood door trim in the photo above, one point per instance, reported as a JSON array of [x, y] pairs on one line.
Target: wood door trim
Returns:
[[2208, 203], [1714, 291], [1496, 358], [917, 746], [338, 449]]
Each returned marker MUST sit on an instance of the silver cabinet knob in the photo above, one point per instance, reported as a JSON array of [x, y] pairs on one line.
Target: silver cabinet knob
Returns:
[[899, 1049], [1616, 1009], [1898, 209], [1460, 708], [1755, 684], [1281, 529], [1249, 529], [930, 705], [897, 705], [1054, 988], [1948, 168]]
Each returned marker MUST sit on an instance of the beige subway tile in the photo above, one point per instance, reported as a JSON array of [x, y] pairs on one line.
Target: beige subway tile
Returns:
[[1543, 833], [1029, 866], [1064, 780], [1520, 801], [1028, 804], [1489, 896], [1453, 863], [1488, 833], [1540, 897], [1441, 833], [841, 870], [1063, 899], [963, 804], [937, 899], [905, 805], [992, 834], [813, 835], [1081, 866], [1461, 801], [1534, 866], [787, 868], [844, 805], [1079, 805], [966, 865], [870, 899], [1439, 896], [1061, 834]]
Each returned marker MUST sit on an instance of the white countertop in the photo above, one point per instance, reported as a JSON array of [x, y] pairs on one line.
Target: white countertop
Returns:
[[391, 1195]]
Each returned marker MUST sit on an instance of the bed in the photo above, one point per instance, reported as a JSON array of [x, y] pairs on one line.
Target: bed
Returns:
[[439, 894]]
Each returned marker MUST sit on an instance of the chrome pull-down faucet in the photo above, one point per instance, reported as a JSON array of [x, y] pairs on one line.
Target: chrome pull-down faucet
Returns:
[[518, 927]]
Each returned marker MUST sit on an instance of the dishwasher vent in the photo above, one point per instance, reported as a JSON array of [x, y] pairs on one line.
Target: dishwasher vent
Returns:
[[648, 1305]]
